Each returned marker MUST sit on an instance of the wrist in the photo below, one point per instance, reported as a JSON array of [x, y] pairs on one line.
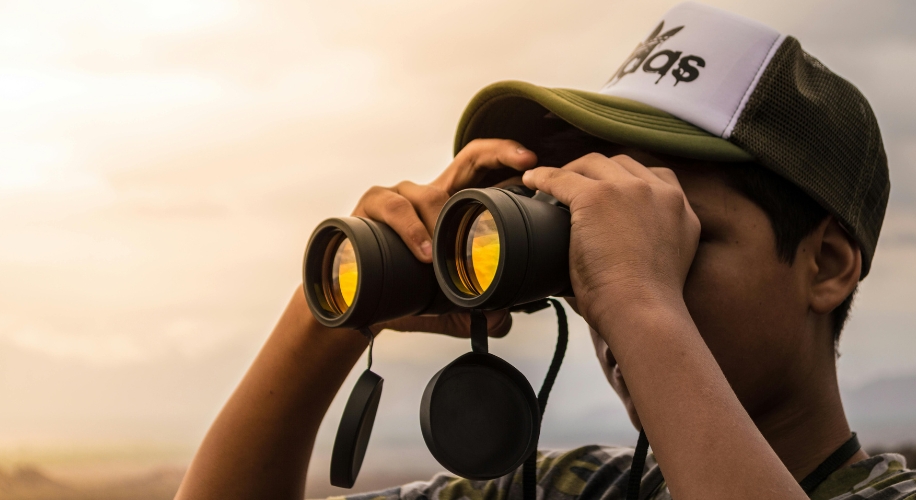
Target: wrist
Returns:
[[309, 337], [636, 315]]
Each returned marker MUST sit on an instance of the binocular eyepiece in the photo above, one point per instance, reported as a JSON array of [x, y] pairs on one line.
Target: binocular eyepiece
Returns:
[[358, 272], [493, 249]]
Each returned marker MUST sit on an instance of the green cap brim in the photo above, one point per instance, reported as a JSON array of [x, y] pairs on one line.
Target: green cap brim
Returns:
[[517, 110]]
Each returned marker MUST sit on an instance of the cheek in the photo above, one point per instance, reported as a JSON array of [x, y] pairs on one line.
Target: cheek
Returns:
[[745, 305], [601, 352]]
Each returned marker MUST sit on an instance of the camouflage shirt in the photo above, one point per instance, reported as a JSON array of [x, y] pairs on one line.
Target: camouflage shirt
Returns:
[[600, 472]]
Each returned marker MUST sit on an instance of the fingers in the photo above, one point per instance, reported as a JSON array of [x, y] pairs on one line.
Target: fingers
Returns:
[[634, 168], [479, 158], [650, 174], [666, 175], [454, 324], [459, 324], [560, 183], [669, 177], [410, 209], [498, 323], [385, 205], [597, 166], [427, 200]]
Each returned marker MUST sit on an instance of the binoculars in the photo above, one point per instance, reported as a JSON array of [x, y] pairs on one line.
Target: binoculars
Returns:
[[493, 248]]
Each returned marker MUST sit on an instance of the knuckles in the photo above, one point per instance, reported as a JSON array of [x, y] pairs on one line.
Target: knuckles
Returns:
[[396, 209], [588, 159], [663, 172], [403, 185], [373, 191], [422, 195], [594, 157], [433, 196], [620, 157], [395, 204], [371, 194]]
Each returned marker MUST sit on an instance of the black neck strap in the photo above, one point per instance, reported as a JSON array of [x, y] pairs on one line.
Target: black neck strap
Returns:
[[808, 484], [639, 463], [831, 464], [529, 469]]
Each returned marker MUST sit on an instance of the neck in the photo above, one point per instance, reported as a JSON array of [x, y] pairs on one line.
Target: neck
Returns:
[[809, 425]]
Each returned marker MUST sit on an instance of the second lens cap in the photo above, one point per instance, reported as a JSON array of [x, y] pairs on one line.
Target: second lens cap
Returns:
[[480, 417], [355, 429]]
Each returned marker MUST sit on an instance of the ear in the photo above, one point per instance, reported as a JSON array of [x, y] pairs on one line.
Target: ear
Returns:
[[837, 266]]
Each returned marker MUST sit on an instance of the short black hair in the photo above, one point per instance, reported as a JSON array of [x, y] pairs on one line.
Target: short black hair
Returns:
[[792, 213]]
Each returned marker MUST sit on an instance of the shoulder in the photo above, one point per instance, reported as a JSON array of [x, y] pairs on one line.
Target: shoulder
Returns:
[[583, 461], [882, 476], [561, 475]]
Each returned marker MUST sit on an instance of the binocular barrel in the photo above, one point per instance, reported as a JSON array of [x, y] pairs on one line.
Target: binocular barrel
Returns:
[[358, 272], [492, 249]]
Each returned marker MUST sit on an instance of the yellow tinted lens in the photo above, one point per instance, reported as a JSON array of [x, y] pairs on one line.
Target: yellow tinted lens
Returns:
[[345, 275], [482, 251]]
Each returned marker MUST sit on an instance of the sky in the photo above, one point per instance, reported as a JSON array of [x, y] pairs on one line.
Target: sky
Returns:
[[163, 163]]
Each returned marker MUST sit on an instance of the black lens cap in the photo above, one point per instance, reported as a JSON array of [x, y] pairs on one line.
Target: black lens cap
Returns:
[[480, 417], [355, 429]]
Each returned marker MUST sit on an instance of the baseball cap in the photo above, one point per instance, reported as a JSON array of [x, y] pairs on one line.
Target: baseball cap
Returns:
[[710, 85]]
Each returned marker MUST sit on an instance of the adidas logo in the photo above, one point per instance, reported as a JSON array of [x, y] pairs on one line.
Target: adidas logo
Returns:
[[661, 62]]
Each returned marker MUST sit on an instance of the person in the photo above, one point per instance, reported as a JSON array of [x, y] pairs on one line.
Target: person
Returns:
[[726, 193]]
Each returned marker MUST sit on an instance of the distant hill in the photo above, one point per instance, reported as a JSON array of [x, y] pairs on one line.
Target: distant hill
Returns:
[[31, 483], [883, 412]]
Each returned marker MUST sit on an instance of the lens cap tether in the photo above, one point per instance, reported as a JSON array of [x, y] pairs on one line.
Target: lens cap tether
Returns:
[[479, 415], [356, 425]]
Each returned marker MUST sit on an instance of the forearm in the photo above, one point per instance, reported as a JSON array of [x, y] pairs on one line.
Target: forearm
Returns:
[[260, 444], [705, 442]]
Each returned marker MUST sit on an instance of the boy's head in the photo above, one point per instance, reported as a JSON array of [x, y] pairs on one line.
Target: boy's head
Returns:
[[772, 280], [781, 160], [792, 214]]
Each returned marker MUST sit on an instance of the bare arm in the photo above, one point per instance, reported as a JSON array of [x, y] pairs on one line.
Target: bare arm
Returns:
[[632, 242], [260, 444], [699, 431]]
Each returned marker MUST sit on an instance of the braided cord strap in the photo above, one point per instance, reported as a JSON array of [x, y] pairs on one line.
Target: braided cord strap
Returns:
[[529, 469]]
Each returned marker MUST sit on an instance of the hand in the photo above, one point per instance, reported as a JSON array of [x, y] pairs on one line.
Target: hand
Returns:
[[412, 209], [633, 234]]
